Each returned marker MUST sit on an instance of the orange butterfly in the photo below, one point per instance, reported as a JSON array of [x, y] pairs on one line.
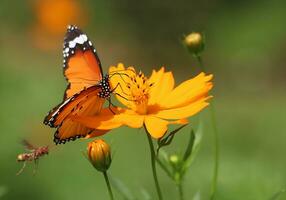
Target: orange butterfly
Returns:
[[87, 88]]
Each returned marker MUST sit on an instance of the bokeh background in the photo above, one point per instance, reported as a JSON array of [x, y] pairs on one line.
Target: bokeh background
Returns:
[[245, 50]]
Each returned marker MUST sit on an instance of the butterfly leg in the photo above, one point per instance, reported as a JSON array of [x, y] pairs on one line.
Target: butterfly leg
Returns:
[[123, 97], [118, 85], [110, 104]]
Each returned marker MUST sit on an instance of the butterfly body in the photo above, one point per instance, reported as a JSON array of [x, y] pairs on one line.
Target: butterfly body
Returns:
[[87, 88], [106, 89]]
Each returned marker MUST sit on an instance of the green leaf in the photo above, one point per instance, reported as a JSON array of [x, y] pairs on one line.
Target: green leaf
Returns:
[[122, 189], [195, 149], [189, 149], [277, 194], [168, 139]]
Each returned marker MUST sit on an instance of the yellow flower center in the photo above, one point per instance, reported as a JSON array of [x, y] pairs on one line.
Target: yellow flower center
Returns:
[[139, 92]]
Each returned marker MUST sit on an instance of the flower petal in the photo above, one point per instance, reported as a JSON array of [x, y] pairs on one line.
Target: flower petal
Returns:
[[188, 91], [158, 127], [113, 69], [183, 112], [129, 118], [155, 80], [155, 126], [162, 87]]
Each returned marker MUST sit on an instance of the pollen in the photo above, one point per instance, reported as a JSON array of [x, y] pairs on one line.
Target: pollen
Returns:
[[139, 87]]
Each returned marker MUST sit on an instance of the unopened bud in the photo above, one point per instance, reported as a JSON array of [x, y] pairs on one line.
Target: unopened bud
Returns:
[[195, 43], [99, 155], [174, 160]]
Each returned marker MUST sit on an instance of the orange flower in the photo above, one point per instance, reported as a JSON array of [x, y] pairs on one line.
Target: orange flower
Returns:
[[152, 102], [98, 152], [52, 18]]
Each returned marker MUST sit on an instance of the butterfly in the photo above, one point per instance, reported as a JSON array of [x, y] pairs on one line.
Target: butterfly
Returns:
[[87, 88]]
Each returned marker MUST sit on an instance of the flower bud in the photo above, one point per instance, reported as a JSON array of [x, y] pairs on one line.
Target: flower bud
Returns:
[[195, 43], [174, 159], [99, 155]]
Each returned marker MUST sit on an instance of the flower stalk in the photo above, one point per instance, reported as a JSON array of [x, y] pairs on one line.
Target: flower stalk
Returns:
[[180, 189], [216, 137], [216, 145], [99, 155], [176, 165], [108, 185], [153, 164]]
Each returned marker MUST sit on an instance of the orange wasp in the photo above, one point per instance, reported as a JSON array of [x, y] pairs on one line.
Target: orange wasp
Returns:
[[34, 154]]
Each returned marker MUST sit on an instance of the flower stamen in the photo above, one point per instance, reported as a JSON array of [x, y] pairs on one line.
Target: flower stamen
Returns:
[[139, 91]]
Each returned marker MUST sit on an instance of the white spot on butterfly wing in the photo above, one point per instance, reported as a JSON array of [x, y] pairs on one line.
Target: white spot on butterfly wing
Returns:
[[67, 50], [78, 40], [72, 44], [84, 37], [57, 111]]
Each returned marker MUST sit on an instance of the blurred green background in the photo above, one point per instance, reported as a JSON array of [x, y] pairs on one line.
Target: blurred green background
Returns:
[[245, 50]]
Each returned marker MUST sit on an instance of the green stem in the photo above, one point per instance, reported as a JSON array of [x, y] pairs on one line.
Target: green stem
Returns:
[[164, 167], [108, 185], [181, 193], [153, 163], [216, 139], [200, 60]]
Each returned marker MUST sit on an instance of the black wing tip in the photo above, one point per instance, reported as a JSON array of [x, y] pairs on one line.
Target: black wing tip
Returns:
[[63, 141], [49, 122], [75, 39]]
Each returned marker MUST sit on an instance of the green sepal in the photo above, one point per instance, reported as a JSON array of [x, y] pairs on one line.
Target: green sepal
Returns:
[[165, 141]]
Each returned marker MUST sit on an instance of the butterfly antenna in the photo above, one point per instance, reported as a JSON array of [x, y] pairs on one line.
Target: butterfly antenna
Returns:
[[122, 70], [119, 74]]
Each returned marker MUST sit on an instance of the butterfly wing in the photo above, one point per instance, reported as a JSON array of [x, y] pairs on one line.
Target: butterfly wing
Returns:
[[85, 103], [70, 131], [82, 67]]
